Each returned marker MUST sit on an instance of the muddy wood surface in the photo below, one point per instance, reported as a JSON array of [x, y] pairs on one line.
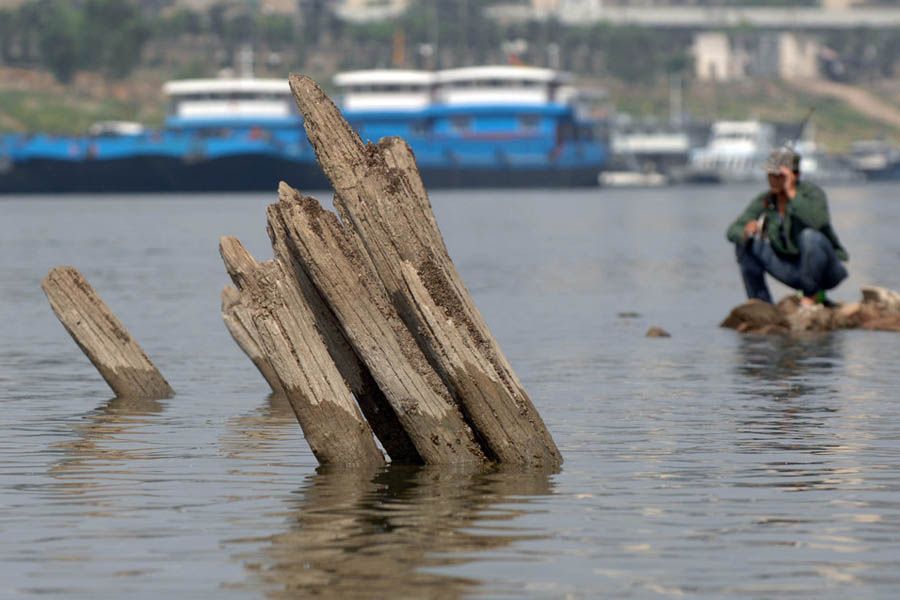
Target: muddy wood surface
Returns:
[[390, 224], [102, 337], [331, 421], [370, 323], [878, 310], [376, 408]]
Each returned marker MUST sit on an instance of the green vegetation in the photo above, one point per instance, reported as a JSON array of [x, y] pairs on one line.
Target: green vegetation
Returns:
[[64, 113], [836, 124], [101, 35]]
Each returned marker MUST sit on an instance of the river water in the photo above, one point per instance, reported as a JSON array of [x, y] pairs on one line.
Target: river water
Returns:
[[702, 465]]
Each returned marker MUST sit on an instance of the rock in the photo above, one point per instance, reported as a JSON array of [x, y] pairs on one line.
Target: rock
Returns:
[[885, 299], [754, 315], [848, 316], [811, 318], [658, 332], [885, 323], [789, 304], [878, 310]]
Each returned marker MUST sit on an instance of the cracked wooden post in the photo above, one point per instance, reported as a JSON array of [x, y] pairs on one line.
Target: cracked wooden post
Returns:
[[356, 374], [331, 421], [102, 337], [369, 322], [240, 325], [385, 207]]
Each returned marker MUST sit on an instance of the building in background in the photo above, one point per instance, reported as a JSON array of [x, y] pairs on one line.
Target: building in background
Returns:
[[786, 55]]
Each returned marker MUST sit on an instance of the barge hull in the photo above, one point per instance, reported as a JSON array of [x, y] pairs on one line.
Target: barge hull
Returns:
[[250, 173]]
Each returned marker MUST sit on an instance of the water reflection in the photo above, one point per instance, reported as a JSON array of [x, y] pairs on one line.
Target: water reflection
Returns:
[[355, 534], [795, 425], [799, 365], [254, 434], [100, 440]]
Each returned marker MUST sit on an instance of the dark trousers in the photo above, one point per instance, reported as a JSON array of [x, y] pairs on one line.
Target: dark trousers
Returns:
[[817, 268]]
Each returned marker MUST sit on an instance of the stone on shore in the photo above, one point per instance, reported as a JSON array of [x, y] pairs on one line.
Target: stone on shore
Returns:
[[879, 310], [657, 332]]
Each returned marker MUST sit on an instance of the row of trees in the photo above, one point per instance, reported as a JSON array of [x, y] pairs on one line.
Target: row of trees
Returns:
[[112, 36], [66, 35]]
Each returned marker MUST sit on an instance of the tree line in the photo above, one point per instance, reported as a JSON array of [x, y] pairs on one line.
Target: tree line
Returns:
[[113, 36]]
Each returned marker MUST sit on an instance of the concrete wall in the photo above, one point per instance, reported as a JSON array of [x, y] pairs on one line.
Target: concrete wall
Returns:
[[714, 58], [798, 56], [719, 57]]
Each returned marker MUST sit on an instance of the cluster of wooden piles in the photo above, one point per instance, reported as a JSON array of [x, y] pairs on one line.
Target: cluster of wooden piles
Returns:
[[363, 322], [361, 319]]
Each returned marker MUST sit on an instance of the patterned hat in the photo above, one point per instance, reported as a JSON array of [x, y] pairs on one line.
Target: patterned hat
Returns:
[[785, 156]]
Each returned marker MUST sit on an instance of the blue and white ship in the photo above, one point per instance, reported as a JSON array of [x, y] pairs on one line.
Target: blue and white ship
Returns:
[[492, 126]]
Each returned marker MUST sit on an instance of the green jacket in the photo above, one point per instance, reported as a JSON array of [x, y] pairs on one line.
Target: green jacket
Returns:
[[809, 208]]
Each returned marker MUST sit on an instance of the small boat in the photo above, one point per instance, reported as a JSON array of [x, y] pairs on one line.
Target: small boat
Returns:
[[735, 152], [878, 160]]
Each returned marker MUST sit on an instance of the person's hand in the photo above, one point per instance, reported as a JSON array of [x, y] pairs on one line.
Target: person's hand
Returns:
[[750, 229], [789, 180]]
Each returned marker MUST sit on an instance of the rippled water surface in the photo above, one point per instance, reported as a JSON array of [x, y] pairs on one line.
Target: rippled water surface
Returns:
[[702, 465]]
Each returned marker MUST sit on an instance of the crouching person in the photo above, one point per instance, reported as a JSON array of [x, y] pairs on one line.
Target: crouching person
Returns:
[[786, 232]]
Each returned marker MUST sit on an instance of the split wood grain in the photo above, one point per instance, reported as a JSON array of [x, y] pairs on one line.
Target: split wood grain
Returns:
[[102, 337], [331, 421], [240, 325], [380, 196], [370, 323], [356, 374]]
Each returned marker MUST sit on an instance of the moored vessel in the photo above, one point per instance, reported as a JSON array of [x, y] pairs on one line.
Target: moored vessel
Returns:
[[492, 126], [487, 126]]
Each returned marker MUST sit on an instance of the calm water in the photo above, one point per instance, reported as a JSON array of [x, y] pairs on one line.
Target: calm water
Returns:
[[704, 465]]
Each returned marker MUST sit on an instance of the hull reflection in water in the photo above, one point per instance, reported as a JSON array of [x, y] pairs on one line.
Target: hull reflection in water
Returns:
[[387, 533]]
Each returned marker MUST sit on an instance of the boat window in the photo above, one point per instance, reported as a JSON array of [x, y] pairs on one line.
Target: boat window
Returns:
[[420, 127], [566, 131], [461, 123], [530, 122]]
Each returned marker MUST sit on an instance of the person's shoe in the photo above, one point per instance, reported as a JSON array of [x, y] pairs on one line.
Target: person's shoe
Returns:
[[821, 298]]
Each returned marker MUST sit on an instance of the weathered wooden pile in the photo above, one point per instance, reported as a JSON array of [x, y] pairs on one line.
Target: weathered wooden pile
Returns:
[[364, 323], [878, 310], [102, 337]]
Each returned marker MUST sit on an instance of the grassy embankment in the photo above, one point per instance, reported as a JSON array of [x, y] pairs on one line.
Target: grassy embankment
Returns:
[[836, 124], [32, 101]]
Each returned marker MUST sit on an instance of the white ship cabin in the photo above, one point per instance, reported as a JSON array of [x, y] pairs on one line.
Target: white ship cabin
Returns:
[[403, 90], [116, 129], [736, 150], [237, 98], [504, 84], [385, 89], [741, 137]]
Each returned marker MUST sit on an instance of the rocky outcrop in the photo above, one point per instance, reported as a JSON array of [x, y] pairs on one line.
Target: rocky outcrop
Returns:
[[879, 310]]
